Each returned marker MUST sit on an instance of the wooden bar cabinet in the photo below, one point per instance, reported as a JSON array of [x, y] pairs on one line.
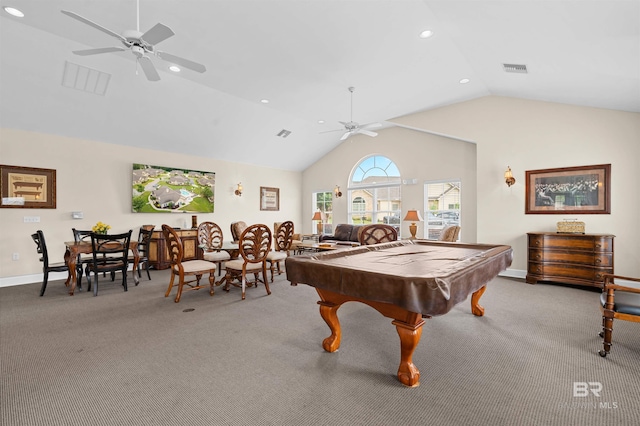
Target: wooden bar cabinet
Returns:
[[159, 255]]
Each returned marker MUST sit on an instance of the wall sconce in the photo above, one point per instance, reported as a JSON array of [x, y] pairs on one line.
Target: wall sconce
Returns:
[[239, 190], [508, 177], [336, 192], [319, 216], [413, 216]]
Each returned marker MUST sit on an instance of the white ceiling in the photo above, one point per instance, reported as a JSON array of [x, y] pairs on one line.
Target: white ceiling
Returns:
[[302, 56]]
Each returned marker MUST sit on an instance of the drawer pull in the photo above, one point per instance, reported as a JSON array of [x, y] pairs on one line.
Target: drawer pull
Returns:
[[536, 242], [598, 260], [538, 256], [598, 245]]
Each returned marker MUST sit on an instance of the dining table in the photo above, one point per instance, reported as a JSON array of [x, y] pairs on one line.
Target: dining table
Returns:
[[75, 248]]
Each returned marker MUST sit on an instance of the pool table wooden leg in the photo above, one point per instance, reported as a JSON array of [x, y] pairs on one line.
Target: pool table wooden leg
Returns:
[[476, 309], [408, 373], [329, 314]]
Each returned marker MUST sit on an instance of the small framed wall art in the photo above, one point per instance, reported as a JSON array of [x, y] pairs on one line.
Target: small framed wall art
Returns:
[[569, 190], [27, 187], [269, 198]]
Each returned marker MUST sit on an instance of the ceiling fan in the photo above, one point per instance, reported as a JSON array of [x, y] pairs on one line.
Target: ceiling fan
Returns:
[[140, 44], [352, 127]]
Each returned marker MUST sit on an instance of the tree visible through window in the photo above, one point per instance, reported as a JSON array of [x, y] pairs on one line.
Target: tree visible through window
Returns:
[[375, 192]]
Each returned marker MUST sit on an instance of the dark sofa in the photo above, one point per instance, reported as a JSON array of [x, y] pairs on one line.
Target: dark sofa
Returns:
[[343, 234]]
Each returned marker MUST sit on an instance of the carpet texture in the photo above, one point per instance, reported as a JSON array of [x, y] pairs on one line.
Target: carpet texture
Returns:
[[138, 358]]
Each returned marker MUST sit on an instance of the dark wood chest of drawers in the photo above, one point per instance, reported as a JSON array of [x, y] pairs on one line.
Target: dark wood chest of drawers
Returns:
[[579, 259]]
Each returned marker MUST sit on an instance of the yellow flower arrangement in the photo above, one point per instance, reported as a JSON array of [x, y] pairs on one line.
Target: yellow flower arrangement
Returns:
[[100, 228]]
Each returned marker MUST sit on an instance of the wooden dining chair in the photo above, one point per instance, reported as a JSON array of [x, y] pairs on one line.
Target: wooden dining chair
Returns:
[[254, 246], [617, 302], [144, 238], [110, 254], [47, 267], [210, 240], [236, 230], [182, 269], [283, 238], [377, 233], [83, 261]]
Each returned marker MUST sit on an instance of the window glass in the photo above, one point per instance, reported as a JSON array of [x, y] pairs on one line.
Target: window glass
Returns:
[[442, 209], [375, 192], [323, 201]]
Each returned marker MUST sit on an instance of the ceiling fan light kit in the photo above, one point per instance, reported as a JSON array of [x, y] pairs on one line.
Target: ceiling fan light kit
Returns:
[[140, 44]]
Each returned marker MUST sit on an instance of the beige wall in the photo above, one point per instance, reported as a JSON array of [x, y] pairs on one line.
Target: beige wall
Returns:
[[530, 135], [526, 135], [418, 155], [95, 178]]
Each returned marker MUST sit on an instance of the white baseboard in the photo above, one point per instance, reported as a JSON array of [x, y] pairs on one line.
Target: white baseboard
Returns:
[[33, 278], [513, 273]]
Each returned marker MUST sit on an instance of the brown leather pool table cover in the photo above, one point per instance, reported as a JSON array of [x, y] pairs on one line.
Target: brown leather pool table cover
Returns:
[[424, 277]]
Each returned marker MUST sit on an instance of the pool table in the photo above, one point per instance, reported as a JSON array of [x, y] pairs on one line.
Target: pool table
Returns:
[[406, 281]]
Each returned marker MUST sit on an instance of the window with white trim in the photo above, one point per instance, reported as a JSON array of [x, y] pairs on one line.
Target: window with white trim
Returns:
[[375, 192], [442, 207]]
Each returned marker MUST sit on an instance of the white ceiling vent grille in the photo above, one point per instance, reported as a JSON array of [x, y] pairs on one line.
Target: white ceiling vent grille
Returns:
[[522, 69], [86, 79], [284, 133]]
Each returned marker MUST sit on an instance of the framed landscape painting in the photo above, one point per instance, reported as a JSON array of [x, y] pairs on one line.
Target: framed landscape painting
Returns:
[[161, 189], [27, 187], [569, 190]]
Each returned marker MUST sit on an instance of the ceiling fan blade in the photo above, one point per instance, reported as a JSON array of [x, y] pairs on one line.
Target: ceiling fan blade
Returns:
[[367, 132], [94, 25], [371, 125], [346, 136], [181, 61], [158, 33], [88, 52], [331, 131], [149, 69]]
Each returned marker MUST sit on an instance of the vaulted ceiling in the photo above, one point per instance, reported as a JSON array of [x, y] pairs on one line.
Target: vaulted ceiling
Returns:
[[302, 56]]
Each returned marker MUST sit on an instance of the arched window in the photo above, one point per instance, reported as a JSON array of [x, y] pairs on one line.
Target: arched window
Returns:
[[374, 191]]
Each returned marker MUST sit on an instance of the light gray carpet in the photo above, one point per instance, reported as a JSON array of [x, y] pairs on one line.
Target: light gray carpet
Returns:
[[137, 358]]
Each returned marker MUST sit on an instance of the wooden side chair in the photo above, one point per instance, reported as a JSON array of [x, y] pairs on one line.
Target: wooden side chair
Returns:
[[144, 238], [47, 267], [450, 234], [110, 254], [617, 302], [210, 240], [377, 233], [182, 269], [236, 230], [283, 239], [83, 261], [254, 246]]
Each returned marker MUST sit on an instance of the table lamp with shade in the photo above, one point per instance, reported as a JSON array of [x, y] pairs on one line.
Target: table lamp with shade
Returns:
[[319, 216], [413, 216]]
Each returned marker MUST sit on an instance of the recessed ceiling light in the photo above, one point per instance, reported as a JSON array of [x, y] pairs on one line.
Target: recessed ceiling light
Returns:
[[426, 34], [174, 68], [320, 121], [14, 12], [265, 101], [464, 81]]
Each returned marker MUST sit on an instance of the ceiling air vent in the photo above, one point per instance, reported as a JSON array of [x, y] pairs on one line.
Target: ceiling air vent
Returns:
[[86, 79], [284, 133], [522, 69]]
